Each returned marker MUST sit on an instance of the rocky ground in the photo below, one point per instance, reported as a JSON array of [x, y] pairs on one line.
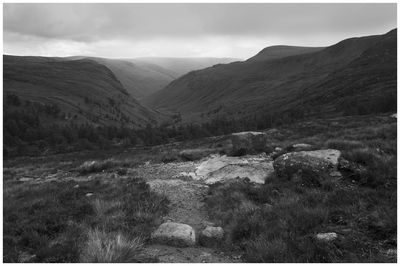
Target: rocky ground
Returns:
[[186, 183]]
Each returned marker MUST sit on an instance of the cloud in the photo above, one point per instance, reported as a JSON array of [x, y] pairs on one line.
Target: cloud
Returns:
[[124, 30]]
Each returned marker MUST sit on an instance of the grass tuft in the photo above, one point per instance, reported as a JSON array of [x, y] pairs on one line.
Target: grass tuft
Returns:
[[106, 247]]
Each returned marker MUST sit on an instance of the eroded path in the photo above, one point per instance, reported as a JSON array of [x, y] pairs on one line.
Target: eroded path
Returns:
[[186, 206]]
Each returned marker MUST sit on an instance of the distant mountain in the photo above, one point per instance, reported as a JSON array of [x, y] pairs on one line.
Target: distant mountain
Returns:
[[357, 75], [180, 66], [140, 79], [79, 91], [280, 51]]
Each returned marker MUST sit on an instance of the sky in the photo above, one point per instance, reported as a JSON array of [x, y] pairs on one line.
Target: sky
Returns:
[[184, 30]]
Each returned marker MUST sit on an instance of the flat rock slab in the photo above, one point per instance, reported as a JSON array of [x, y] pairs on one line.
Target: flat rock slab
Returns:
[[223, 168], [175, 234]]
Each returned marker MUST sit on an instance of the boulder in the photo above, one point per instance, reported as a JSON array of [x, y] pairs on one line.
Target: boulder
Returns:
[[326, 237], [175, 234], [211, 236], [223, 168], [248, 142], [307, 165]]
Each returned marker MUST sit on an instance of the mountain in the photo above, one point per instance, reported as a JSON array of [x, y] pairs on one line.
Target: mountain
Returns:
[[280, 51], [64, 90], [180, 66], [357, 75]]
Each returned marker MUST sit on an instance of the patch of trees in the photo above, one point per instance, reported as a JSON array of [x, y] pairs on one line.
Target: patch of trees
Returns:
[[24, 134]]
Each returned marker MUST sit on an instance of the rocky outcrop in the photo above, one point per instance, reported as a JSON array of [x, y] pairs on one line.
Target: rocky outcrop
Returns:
[[223, 168], [175, 234], [308, 165], [248, 142]]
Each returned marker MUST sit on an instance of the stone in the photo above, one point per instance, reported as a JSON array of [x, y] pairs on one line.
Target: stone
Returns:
[[25, 179], [188, 175], [394, 116], [222, 168], [175, 234], [89, 194], [248, 141], [301, 146], [326, 236], [76, 186], [278, 149], [310, 165], [211, 236]]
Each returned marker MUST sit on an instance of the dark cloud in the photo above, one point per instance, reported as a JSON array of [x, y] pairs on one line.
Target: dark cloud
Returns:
[[93, 23]]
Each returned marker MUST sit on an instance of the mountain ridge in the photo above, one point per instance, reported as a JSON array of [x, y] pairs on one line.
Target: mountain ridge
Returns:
[[245, 88]]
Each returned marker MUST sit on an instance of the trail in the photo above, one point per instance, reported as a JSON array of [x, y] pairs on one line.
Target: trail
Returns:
[[186, 206]]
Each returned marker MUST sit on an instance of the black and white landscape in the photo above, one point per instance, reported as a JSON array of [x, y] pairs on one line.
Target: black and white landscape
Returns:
[[180, 133]]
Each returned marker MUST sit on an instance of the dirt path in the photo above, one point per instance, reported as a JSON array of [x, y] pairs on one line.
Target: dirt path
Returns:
[[186, 206]]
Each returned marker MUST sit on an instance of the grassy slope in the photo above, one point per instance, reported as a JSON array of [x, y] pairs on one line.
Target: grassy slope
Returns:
[[57, 222], [246, 88], [81, 87], [278, 221], [280, 51]]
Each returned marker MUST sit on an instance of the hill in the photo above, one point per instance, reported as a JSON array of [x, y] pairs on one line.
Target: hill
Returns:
[[63, 91], [280, 51], [354, 76]]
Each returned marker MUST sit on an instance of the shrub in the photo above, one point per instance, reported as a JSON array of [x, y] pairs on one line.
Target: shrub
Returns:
[[341, 144], [96, 166]]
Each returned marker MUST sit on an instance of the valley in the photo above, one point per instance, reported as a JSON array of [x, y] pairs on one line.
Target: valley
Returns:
[[288, 156]]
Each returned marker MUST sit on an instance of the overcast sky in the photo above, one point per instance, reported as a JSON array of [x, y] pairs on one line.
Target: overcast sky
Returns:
[[184, 30]]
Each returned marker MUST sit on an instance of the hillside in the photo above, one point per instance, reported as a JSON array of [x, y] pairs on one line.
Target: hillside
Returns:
[[280, 51], [62, 91], [139, 79], [341, 79], [180, 66]]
